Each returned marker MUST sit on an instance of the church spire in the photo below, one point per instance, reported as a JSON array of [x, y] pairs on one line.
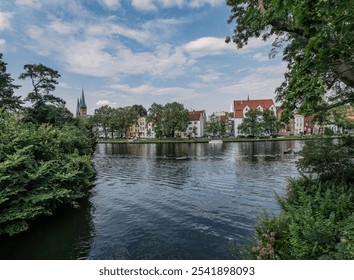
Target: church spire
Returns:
[[83, 103], [78, 108]]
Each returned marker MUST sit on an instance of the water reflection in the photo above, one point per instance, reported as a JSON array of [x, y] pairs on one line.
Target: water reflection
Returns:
[[66, 235], [183, 201], [165, 201]]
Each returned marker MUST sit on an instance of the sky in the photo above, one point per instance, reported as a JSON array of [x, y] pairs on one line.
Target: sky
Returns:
[[126, 52]]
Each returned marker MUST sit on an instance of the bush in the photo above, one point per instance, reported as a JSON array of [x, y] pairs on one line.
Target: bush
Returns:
[[41, 168], [314, 224], [317, 220], [328, 159]]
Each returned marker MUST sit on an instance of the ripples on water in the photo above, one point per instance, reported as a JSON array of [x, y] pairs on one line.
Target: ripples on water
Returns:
[[165, 201], [183, 201]]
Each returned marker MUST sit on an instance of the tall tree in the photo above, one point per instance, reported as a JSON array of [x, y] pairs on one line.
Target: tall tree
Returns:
[[47, 108], [101, 118], [215, 125], [175, 118], [7, 98], [155, 116], [43, 80], [317, 40], [168, 118], [251, 124]]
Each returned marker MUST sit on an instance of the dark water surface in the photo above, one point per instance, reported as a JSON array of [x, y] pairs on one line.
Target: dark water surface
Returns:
[[165, 201]]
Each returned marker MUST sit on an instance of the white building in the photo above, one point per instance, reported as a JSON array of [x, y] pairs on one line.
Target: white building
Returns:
[[195, 127], [241, 107]]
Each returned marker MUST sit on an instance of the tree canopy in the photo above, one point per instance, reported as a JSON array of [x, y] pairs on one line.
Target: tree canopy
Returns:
[[317, 40], [168, 118], [7, 89], [258, 122]]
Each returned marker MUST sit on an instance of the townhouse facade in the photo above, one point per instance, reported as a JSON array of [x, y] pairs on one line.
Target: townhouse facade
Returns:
[[239, 108], [196, 124], [142, 129]]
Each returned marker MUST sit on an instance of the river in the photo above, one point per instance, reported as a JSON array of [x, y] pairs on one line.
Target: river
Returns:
[[165, 201]]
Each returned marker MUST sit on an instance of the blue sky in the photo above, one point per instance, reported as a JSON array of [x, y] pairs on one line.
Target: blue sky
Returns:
[[125, 52]]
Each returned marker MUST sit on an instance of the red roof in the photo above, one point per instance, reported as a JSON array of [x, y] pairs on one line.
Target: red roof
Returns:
[[239, 105], [196, 115]]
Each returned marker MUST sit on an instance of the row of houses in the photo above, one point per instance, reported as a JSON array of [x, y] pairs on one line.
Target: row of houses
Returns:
[[298, 125]]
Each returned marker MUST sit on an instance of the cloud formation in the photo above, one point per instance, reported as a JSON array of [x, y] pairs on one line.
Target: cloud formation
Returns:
[[5, 20]]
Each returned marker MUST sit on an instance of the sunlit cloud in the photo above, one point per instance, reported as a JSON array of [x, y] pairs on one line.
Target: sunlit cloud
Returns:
[[5, 20]]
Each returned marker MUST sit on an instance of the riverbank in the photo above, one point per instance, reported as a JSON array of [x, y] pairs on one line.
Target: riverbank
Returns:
[[205, 140]]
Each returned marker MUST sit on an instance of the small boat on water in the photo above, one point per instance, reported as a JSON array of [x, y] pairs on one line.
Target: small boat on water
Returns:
[[218, 141]]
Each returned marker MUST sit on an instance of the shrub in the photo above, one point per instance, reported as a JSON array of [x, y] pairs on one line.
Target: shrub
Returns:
[[41, 168], [316, 223]]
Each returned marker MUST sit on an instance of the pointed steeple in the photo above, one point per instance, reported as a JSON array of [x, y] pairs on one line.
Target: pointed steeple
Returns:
[[83, 103], [78, 108], [248, 98]]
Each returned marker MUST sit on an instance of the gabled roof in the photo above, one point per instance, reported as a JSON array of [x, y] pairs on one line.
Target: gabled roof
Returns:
[[196, 115], [239, 105]]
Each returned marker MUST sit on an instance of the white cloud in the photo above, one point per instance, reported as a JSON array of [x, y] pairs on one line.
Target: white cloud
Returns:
[[260, 83], [37, 4], [101, 103], [2, 43], [144, 5], [111, 4], [153, 5], [35, 32], [210, 76], [62, 27], [208, 46], [261, 57], [5, 20], [200, 3]]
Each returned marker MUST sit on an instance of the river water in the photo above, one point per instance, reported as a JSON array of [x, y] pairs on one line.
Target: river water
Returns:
[[165, 201]]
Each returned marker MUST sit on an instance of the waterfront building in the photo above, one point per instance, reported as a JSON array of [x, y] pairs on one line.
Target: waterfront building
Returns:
[[239, 109]]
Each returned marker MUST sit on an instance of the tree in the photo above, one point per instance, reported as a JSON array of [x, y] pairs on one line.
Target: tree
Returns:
[[258, 122], [7, 98], [43, 81], [45, 104], [251, 124], [168, 118], [317, 39], [155, 116], [339, 116], [270, 124], [101, 118], [175, 118], [215, 125]]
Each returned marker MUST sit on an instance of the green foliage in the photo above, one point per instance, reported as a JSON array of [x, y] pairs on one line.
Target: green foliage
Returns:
[[215, 125], [258, 122], [251, 123], [317, 39], [317, 220], [314, 224], [41, 168], [7, 99], [116, 121], [168, 118], [46, 108], [328, 159]]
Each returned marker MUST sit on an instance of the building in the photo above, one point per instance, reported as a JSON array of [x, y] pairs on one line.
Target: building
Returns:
[[142, 129], [240, 108], [81, 109], [196, 124]]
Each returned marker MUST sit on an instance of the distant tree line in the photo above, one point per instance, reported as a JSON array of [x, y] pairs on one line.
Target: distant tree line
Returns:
[[45, 153], [166, 119]]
